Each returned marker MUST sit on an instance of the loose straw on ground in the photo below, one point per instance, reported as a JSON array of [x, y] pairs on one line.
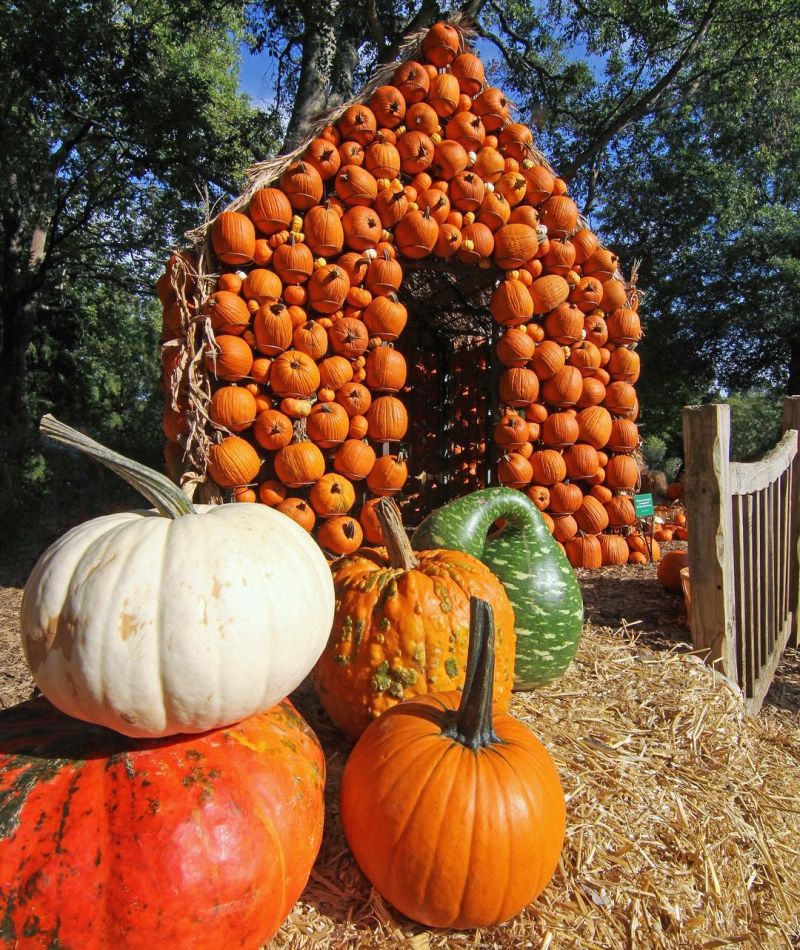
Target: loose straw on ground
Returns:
[[683, 819]]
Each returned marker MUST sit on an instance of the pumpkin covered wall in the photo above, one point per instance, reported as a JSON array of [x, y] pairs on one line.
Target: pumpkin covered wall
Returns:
[[416, 279]]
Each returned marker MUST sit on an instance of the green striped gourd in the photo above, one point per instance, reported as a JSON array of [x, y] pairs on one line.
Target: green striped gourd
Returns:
[[538, 578]]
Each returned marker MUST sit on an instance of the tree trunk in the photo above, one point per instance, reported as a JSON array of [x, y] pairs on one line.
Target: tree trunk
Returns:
[[320, 44], [18, 320], [794, 367]]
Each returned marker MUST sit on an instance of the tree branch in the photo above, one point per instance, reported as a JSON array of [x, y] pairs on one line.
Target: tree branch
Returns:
[[646, 102]]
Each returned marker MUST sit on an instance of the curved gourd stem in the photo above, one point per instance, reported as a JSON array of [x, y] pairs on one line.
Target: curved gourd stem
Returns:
[[472, 723], [163, 494], [398, 547], [476, 514]]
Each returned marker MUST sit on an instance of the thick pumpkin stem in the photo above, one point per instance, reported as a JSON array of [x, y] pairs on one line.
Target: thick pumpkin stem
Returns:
[[472, 723], [398, 547], [163, 494]]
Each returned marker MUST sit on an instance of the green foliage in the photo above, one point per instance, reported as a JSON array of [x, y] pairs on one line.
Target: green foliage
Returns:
[[755, 424], [654, 450], [122, 122]]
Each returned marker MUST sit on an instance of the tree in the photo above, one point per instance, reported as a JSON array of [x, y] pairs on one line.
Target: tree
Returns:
[[121, 121], [113, 116]]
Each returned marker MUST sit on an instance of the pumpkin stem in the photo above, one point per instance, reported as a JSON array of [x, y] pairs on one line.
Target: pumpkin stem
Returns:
[[398, 547], [155, 487], [471, 724]]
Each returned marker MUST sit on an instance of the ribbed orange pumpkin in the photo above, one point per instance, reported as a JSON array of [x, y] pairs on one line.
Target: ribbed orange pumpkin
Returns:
[[518, 387], [323, 230], [233, 238], [233, 461], [592, 517], [354, 458], [300, 463], [622, 472], [614, 296], [416, 233], [386, 370], [548, 467], [386, 317], [624, 365], [621, 512], [540, 183], [294, 374], [332, 495], [559, 430], [230, 359], [564, 323], [354, 398], [272, 327], [514, 470], [565, 498], [548, 359], [443, 94], [229, 313], [584, 552], [412, 81], [511, 303], [581, 461], [563, 388], [272, 429], [301, 184], [624, 326], [560, 215], [620, 399], [293, 261], [585, 244], [324, 157], [669, 570], [335, 371], [602, 264], [624, 436], [298, 510], [515, 347], [511, 431], [564, 528], [388, 419], [328, 425], [592, 394], [613, 548], [328, 288], [233, 407], [514, 245], [388, 475], [270, 210], [340, 534], [595, 426], [548, 292]]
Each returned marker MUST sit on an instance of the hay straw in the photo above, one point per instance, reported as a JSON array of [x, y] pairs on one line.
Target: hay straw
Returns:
[[683, 819]]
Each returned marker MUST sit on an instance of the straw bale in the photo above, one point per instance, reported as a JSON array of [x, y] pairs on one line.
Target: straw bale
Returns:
[[683, 818]]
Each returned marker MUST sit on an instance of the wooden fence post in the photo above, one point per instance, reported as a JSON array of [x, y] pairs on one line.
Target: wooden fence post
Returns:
[[706, 441], [791, 420]]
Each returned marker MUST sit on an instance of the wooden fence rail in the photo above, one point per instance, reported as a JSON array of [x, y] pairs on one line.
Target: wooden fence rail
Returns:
[[743, 548]]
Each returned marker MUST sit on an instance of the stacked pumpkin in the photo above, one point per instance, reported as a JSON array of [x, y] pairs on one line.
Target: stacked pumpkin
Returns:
[[304, 320], [181, 791]]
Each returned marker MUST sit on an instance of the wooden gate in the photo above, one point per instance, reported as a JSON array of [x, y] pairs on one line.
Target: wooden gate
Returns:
[[743, 548]]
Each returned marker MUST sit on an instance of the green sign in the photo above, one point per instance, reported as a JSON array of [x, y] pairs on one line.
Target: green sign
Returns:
[[643, 505]]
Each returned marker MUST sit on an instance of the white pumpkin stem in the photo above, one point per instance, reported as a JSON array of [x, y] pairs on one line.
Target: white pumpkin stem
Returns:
[[155, 487]]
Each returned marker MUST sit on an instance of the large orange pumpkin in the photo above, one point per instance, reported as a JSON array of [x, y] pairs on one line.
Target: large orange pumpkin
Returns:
[[400, 628], [453, 810], [107, 841]]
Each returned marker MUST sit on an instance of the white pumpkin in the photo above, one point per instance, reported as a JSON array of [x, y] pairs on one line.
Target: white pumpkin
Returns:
[[153, 625]]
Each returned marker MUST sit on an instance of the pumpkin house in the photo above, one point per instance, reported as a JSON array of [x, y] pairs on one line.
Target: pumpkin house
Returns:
[[408, 304]]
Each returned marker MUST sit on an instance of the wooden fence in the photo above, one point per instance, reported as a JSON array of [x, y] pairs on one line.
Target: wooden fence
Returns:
[[744, 527]]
